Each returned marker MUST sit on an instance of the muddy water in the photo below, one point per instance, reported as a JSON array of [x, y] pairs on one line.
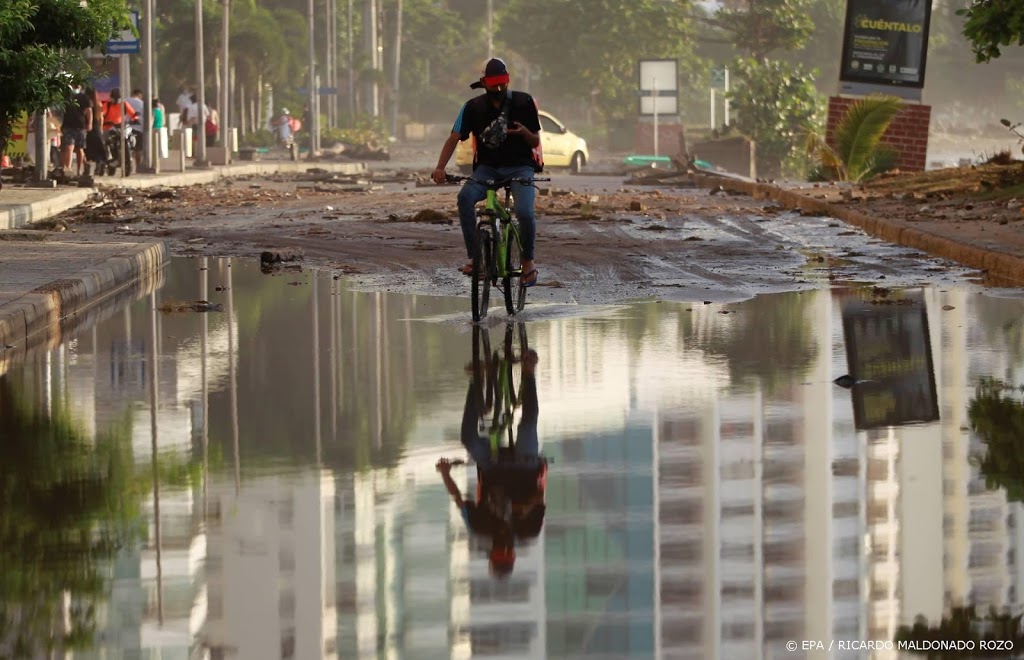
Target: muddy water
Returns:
[[259, 481]]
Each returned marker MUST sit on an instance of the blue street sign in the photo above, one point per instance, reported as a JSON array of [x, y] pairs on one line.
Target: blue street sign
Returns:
[[128, 43]]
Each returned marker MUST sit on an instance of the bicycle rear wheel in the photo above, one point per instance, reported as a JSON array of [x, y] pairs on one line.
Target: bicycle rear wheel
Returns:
[[512, 283], [481, 275]]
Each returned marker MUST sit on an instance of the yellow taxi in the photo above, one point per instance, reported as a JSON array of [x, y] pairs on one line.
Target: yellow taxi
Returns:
[[562, 147]]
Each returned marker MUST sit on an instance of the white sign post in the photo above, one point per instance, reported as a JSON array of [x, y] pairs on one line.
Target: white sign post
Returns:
[[659, 91], [719, 81], [654, 88], [726, 96]]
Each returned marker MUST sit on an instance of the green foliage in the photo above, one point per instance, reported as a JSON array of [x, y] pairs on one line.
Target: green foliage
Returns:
[[441, 50], [40, 51], [857, 154], [823, 50], [998, 419], [991, 24], [768, 26], [365, 130], [269, 46], [68, 505], [1013, 128], [606, 39], [964, 625], [774, 103], [259, 139]]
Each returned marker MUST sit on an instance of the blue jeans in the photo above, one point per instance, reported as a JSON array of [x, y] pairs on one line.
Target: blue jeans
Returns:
[[527, 443], [472, 193]]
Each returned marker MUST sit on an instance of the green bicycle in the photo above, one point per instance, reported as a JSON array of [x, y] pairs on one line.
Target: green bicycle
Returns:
[[497, 248], [498, 388]]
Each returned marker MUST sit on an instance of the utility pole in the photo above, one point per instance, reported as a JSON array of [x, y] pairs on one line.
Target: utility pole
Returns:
[[311, 115], [370, 41], [332, 62], [225, 88], [42, 178], [351, 72], [150, 156], [200, 129], [398, 67]]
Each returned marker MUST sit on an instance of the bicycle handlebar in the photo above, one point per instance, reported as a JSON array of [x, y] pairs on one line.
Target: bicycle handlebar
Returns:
[[457, 462], [494, 185]]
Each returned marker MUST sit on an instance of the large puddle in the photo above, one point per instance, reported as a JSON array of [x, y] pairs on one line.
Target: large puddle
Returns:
[[259, 480]]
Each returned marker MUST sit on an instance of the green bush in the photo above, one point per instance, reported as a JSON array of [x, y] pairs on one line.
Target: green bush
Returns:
[[258, 139], [367, 130], [774, 103]]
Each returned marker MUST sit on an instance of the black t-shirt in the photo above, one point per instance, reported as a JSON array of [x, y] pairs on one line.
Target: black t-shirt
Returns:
[[74, 111], [479, 113]]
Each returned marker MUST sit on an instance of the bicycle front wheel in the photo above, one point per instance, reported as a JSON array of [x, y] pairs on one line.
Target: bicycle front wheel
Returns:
[[512, 283], [481, 287]]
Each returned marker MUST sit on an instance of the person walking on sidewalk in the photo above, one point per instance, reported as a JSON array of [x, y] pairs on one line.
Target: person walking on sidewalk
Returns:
[[95, 147], [74, 129]]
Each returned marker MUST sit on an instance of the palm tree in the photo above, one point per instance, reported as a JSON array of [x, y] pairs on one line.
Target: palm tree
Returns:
[[857, 154]]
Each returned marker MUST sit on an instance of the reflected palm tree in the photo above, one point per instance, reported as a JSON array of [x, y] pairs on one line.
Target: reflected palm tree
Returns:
[[68, 505], [998, 419]]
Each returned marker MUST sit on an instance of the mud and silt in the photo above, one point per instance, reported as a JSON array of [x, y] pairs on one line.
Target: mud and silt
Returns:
[[600, 239]]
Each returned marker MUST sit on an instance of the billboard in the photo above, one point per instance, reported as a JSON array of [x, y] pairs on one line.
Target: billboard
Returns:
[[885, 42], [888, 353]]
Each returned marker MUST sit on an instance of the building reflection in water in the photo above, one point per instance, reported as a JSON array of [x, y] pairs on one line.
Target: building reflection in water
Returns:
[[711, 493]]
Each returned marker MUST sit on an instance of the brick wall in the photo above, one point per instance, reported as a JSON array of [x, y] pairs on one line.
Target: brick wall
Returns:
[[670, 139], [907, 135]]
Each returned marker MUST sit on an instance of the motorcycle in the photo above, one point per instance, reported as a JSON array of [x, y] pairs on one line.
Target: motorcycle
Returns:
[[112, 139]]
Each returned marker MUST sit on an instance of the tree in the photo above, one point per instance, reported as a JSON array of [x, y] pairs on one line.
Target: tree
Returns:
[[768, 26], [775, 103], [41, 44], [991, 24], [607, 38]]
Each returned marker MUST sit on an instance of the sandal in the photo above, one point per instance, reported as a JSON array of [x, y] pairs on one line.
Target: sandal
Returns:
[[467, 270], [529, 278]]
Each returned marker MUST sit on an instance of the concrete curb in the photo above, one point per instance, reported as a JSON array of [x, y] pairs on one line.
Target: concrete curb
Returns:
[[193, 176], [48, 202], [15, 216], [1001, 265], [58, 301]]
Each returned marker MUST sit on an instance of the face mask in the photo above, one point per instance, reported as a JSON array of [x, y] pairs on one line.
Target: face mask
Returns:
[[496, 96]]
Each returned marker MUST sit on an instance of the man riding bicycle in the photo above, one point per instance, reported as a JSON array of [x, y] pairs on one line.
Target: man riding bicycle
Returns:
[[506, 141], [510, 484]]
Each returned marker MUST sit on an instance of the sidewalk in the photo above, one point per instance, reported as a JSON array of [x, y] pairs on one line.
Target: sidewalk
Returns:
[[50, 281]]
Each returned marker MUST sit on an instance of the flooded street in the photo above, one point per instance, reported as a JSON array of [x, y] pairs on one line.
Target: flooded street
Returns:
[[259, 480]]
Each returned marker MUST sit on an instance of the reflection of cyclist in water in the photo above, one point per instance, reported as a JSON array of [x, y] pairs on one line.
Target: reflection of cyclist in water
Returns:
[[509, 501]]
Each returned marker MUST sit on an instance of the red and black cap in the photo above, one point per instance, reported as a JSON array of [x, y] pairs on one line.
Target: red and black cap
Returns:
[[495, 73]]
